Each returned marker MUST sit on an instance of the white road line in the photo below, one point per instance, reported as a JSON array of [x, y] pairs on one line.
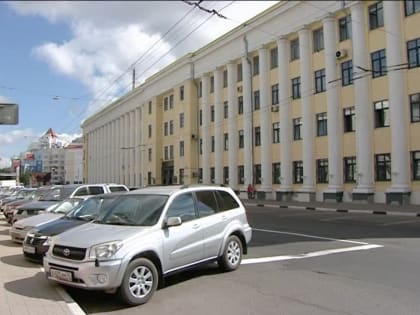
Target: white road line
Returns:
[[74, 308], [399, 222], [308, 255], [311, 236]]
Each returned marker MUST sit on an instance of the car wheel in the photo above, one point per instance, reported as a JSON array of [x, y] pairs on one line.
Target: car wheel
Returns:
[[139, 282], [232, 254]]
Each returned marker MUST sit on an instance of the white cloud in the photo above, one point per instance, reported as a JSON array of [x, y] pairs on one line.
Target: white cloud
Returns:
[[4, 99]]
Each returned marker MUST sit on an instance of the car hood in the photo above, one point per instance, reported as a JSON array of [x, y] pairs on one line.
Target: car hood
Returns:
[[37, 220], [87, 235], [19, 202], [58, 226], [36, 205]]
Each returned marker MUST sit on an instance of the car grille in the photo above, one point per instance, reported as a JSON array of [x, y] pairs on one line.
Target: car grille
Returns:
[[67, 252], [34, 240]]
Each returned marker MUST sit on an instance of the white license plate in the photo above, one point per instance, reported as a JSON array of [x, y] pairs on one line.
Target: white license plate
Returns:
[[61, 275], [29, 249]]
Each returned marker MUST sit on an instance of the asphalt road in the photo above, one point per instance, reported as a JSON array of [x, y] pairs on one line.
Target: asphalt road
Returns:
[[299, 262]]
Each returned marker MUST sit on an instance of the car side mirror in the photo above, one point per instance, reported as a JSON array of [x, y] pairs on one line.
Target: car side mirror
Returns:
[[173, 221]]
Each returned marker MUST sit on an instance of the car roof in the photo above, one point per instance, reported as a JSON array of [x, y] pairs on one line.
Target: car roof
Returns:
[[171, 189]]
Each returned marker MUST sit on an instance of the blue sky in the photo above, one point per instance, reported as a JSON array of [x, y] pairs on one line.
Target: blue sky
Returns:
[[58, 60]]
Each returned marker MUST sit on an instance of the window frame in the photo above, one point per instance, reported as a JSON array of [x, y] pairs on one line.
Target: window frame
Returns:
[[416, 103], [257, 136], [376, 15], [322, 171], [350, 169], [349, 119], [275, 94], [381, 114], [344, 28], [379, 63], [413, 53], [415, 165], [320, 84], [321, 124], [296, 88], [276, 132], [347, 73], [274, 62], [297, 128], [318, 40], [383, 167], [297, 172], [294, 49]]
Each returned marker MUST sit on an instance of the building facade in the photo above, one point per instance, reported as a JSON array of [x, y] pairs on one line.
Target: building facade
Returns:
[[73, 162], [308, 100]]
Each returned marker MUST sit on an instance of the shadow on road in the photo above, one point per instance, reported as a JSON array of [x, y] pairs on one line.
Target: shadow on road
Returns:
[[18, 261]]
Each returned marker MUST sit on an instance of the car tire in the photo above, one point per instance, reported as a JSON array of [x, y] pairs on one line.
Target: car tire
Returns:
[[139, 282], [232, 254]]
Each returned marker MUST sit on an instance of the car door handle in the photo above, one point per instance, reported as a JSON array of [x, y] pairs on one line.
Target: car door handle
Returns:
[[195, 226]]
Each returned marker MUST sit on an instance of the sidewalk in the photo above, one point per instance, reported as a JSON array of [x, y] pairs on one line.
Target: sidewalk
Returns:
[[25, 290], [371, 208]]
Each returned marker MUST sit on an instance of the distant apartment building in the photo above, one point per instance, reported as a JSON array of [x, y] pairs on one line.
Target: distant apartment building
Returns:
[[309, 100], [73, 162]]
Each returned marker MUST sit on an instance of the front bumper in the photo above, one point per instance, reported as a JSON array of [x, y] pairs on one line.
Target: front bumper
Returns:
[[84, 274], [17, 235]]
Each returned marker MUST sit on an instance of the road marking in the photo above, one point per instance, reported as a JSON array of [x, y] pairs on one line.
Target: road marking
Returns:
[[74, 308], [399, 222], [360, 246]]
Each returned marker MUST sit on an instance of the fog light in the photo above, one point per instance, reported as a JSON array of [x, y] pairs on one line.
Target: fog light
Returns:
[[102, 278]]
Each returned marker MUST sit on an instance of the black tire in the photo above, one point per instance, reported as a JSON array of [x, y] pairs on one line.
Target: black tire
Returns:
[[232, 254], [139, 282]]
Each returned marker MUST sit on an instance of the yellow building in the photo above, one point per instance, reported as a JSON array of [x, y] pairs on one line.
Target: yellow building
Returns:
[[308, 100]]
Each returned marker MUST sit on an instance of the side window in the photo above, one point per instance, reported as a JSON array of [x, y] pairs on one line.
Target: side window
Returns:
[[83, 191], [182, 206], [226, 201], [95, 190], [117, 188], [206, 203]]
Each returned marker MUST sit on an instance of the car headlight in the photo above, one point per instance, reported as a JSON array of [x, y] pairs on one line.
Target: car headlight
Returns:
[[105, 250], [47, 240]]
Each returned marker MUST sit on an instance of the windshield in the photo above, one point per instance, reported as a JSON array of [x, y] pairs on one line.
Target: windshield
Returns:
[[66, 205], [52, 195], [89, 209], [138, 210]]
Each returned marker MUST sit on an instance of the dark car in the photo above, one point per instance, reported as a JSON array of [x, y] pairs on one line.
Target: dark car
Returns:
[[36, 245]]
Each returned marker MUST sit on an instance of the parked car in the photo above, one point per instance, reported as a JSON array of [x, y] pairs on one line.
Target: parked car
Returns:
[[20, 194], [35, 243], [147, 234], [21, 227]]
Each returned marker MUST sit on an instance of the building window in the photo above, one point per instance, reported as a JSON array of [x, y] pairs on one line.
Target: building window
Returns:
[[276, 173], [378, 63], [297, 128], [166, 153], [181, 148], [165, 128], [181, 92], [212, 144], [415, 107], [347, 73], [171, 127], [226, 175], [257, 100], [321, 124], [294, 49], [200, 146], [240, 105], [149, 155], [376, 15], [181, 120], [297, 172], [225, 78], [413, 53], [226, 142], [349, 119], [241, 139], [350, 169], [149, 178], [276, 132], [201, 117], [211, 84], [171, 152], [273, 58], [257, 172], [165, 104], [383, 167], [257, 133], [344, 25], [212, 113], [275, 94], [200, 175], [381, 114], [212, 174], [255, 65], [171, 101], [318, 39], [225, 110], [415, 161], [241, 174], [150, 107], [411, 7], [322, 171], [200, 89], [296, 88], [181, 176], [239, 72], [149, 131], [320, 81]]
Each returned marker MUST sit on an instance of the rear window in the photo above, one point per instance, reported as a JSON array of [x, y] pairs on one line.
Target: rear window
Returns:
[[117, 188], [226, 201], [96, 190]]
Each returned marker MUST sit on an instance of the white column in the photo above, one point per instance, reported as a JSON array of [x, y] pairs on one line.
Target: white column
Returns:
[[285, 116], [112, 150], [127, 152], [397, 98], [132, 149], [232, 129], [306, 76], [218, 129], [265, 121], [205, 161], [95, 156], [137, 147], [90, 163], [363, 105], [120, 150], [247, 120], [334, 125]]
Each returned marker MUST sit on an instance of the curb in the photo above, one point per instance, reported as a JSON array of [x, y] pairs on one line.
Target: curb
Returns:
[[377, 212]]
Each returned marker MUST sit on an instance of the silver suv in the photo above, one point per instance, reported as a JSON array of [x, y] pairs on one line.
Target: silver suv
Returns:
[[147, 234]]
